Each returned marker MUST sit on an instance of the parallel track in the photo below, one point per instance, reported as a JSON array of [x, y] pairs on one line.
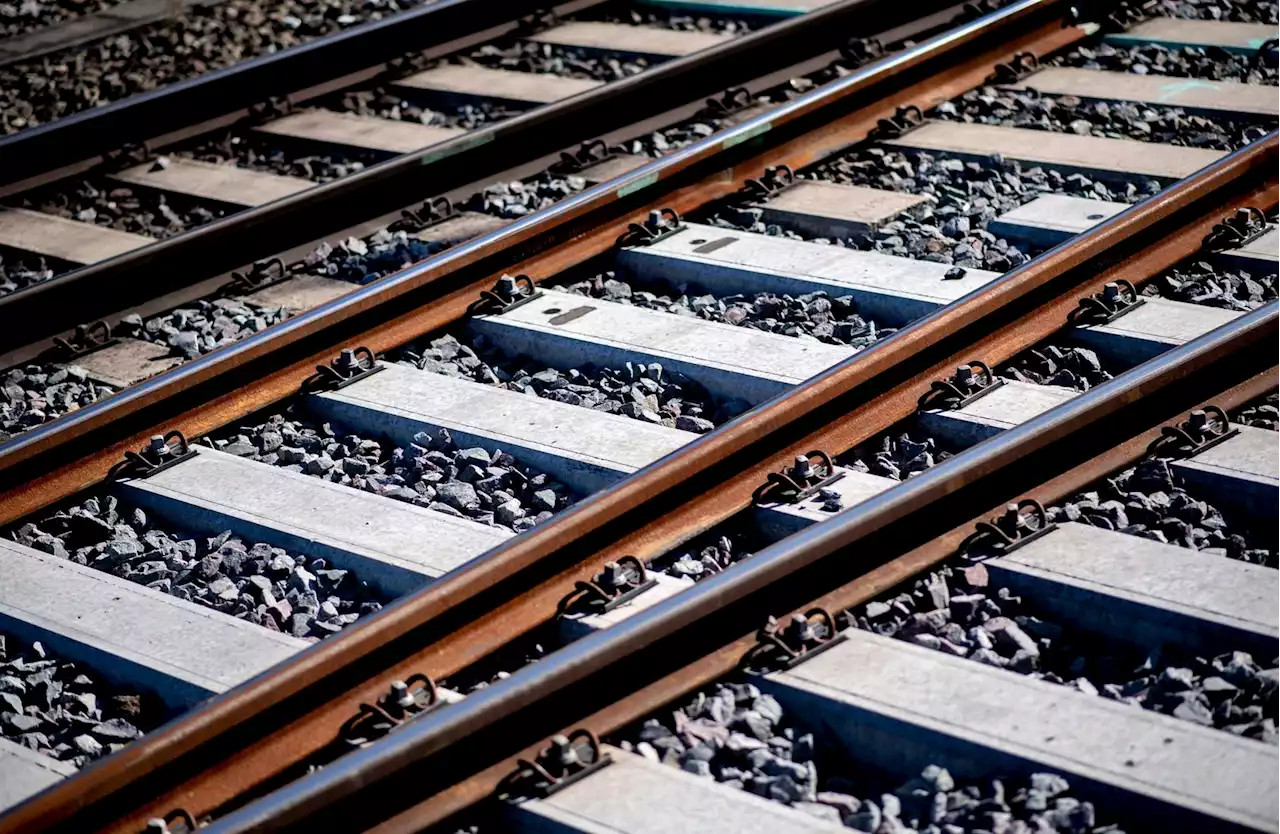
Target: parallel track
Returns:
[[256, 737]]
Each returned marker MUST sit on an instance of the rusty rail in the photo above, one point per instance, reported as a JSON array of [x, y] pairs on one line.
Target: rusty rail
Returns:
[[249, 735], [441, 764]]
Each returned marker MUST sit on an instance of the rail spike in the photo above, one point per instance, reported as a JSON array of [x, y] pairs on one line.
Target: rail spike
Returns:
[[660, 224], [565, 760], [1115, 299], [177, 821], [617, 583], [1009, 531], [350, 365], [1203, 429], [158, 455], [1235, 231], [808, 474], [509, 292], [86, 339], [791, 641], [405, 700], [970, 382]]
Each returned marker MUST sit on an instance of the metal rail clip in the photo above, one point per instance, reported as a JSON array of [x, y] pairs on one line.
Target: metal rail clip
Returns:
[[773, 182], [969, 383], [351, 365], [1011, 530], [589, 153], [662, 223], [125, 156], [86, 339], [1116, 299], [801, 480], [259, 276], [732, 100], [433, 211], [618, 583], [903, 119], [1235, 231], [783, 645], [404, 701], [177, 821], [1022, 65], [858, 51], [565, 760], [273, 108], [508, 293], [156, 456], [1267, 52], [1203, 429]]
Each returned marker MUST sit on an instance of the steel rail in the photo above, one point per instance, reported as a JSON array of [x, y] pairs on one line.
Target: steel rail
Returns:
[[573, 230], [141, 117], [98, 289], [220, 732], [482, 736]]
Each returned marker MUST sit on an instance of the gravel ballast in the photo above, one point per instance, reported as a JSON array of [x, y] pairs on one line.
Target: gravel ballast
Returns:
[[34, 394], [743, 739], [254, 153], [1261, 414], [1147, 501], [18, 17], [114, 206], [1178, 62], [65, 710], [1200, 282], [252, 581], [202, 39], [1110, 120], [433, 472], [201, 326]]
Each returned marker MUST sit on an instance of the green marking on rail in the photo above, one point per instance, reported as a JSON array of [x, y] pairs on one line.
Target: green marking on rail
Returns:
[[457, 146], [746, 135], [640, 184]]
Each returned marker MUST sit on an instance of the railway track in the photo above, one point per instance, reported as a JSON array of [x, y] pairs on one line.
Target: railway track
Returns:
[[856, 295]]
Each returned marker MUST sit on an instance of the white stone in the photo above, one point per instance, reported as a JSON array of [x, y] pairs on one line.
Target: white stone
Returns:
[[24, 772], [584, 449], [473, 80], [829, 209], [1177, 32], [635, 40], [892, 290], [67, 240], [224, 183], [1151, 328], [393, 545], [569, 331], [352, 131], [777, 520], [131, 634], [1192, 94], [636, 796], [1242, 472], [1012, 404], [1052, 218], [1144, 593], [1087, 154], [900, 707]]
